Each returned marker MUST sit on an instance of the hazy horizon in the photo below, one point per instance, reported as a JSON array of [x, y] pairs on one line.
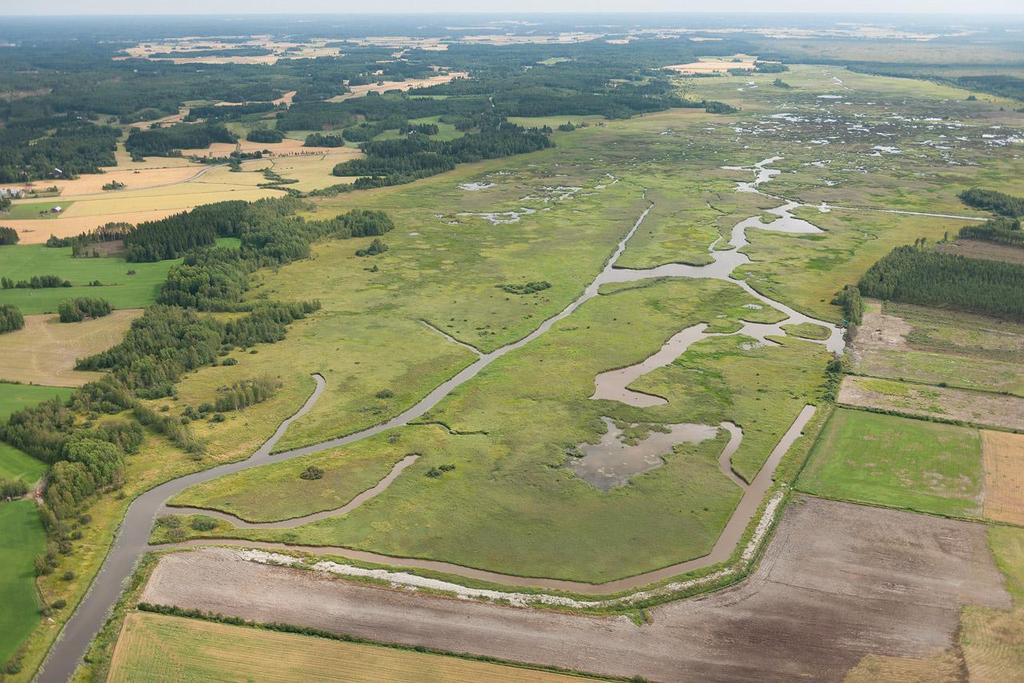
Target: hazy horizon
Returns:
[[242, 7]]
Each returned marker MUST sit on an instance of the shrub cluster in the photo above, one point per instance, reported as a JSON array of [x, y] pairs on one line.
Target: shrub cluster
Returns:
[[10, 318], [78, 309], [525, 288]]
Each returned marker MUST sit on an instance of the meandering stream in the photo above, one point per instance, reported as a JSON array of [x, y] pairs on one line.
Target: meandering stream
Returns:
[[132, 537]]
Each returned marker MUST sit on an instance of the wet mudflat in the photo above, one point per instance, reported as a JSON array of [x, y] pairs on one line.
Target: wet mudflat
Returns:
[[613, 461], [837, 582]]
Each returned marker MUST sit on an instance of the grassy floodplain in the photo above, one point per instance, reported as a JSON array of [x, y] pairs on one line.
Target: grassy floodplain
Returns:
[[897, 462], [513, 458], [447, 258], [21, 539]]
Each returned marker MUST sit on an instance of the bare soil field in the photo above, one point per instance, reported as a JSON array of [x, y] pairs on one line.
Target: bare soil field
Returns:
[[1003, 457], [287, 147], [45, 350], [974, 407], [983, 250], [939, 347], [838, 582], [408, 84], [38, 231], [133, 179], [709, 65], [180, 50]]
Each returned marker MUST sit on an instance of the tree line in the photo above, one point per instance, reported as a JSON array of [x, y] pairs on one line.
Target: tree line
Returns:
[[57, 147], [998, 231], [917, 275], [417, 156], [170, 140], [998, 203]]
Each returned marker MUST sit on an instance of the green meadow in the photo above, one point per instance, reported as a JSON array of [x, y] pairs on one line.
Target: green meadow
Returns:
[[897, 462], [21, 539], [121, 289]]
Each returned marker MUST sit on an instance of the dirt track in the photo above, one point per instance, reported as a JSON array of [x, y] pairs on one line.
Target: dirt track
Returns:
[[838, 582]]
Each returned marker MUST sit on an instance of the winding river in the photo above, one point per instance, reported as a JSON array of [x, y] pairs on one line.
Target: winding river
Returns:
[[131, 541]]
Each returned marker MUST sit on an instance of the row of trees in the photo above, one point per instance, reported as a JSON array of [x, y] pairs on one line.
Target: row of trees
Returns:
[[246, 393], [999, 231], [418, 156], [998, 203], [914, 274], [35, 282], [170, 140], [8, 236]]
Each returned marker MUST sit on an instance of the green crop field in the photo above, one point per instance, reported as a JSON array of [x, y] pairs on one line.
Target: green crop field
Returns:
[[39, 210], [14, 397], [118, 287], [897, 461], [17, 465], [21, 539]]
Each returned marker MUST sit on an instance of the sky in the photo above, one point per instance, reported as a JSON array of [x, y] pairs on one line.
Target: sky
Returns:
[[134, 7]]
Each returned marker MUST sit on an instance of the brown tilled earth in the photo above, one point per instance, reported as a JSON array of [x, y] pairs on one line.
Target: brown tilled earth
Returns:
[[984, 250], [838, 582], [975, 407], [1003, 455]]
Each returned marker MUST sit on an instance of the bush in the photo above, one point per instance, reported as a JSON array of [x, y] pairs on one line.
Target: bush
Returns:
[[12, 488], [169, 521], [527, 288], [377, 246], [68, 576], [8, 236], [264, 135], [59, 603], [384, 393], [203, 524], [852, 304], [10, 318], [77, 310], [311, 473], [323, 140]]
